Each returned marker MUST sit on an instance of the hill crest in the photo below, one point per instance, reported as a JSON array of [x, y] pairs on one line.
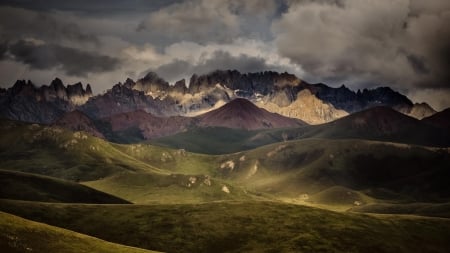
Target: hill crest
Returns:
[[241, 113]]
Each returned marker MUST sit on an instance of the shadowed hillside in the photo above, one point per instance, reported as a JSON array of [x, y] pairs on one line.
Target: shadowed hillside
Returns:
[[21, 235], [25, 186]]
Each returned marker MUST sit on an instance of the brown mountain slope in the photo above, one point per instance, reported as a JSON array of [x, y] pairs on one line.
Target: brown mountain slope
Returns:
[[382, 123], [241, 113], [78, 121], [149, 126], [440, 119]]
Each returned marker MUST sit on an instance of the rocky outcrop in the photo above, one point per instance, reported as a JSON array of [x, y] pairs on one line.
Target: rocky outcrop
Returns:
[[122, 98], [306, 107], [152, 85], [245, 85], [345, 99], [419, 110]]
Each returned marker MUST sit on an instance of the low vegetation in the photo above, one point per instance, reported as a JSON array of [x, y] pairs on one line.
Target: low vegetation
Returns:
[[241, 227], [21, 235], [263, 198], [26, 186]]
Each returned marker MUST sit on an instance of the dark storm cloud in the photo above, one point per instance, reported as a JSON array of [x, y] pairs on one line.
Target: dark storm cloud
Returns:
[[399, 42], [19, 23], [72, 61], [204, 21], [218, 60], [96, 7]]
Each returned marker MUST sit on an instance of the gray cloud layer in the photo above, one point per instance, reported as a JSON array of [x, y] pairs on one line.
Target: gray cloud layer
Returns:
[[106, 7], [179, 69], [397, 42], [20, 23], [400, 43], [212, 20], [70, 60]]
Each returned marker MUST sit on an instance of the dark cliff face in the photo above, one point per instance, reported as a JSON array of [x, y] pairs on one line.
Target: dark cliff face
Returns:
[[179, 86], [151, 83], [247, 84], [121, 99], [277, 85], [26, 102], [350, 101]]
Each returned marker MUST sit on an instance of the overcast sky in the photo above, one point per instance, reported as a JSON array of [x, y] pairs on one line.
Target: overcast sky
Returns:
[[404, 44]]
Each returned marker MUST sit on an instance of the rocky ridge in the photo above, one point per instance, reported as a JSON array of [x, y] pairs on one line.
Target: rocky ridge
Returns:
[[26, 102], [281, 93]]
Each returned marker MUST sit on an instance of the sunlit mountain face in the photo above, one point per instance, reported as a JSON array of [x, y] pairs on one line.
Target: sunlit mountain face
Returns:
[[224, 126]]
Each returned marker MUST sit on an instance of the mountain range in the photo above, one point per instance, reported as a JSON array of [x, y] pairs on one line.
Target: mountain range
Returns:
[[280, 93]]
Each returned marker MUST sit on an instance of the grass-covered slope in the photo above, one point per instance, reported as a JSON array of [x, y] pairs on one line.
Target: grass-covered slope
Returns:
[[59, 153], [382, 170], [216, 140], [19, 235], [242, 227], [139, 173], [25, 186], [425, 209], [292, 171], [172, 189]]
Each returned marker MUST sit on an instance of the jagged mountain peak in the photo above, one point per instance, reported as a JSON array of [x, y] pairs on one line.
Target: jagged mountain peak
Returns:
[[56, 82], [88, 89], [151, 76]]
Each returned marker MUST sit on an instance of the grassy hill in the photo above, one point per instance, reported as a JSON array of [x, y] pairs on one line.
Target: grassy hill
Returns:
[[25, 186], [21, 235], [142, 173], [234, 202], [242, 227], [172, 189], [292, 171], [425, 209], [215, 140], [59, 153], [381, 170]]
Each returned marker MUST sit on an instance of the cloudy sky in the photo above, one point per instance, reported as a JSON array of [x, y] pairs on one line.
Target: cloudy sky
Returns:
[[404, 44]]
